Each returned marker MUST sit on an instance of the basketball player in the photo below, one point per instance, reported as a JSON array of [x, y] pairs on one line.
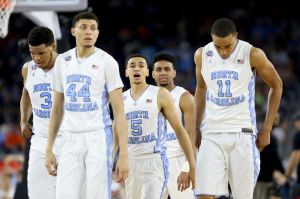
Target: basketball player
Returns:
[[164, 72], [147, 108], [229, 150], [86, 79], [37, 98]]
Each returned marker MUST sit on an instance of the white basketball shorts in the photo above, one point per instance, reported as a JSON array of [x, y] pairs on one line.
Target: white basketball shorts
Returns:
[[147, 178], [227, 158], [85, 167], [40, 183], [175, 166]]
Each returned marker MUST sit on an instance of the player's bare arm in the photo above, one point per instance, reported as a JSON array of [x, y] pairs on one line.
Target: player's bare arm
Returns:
[[116, 138], [200, 94], [267, 72], [25, 107], [187, 107], [54, 125], [186, 104], [120, 126], [166, 104]]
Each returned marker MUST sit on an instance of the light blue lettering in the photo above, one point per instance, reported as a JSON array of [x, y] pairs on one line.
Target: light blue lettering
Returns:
[[137, 115], [142, 139], [224, 74], [79, 78], [42, 113], [86, 107], [41, 87]]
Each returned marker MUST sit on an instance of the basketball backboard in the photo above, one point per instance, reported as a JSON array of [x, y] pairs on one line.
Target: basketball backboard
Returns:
[[41, 12], [50, 5]]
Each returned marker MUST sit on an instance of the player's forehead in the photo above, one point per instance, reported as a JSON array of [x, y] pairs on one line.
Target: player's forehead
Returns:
[[39, 48], [163, 64], [137, 60], [86, 22], [222, 42]]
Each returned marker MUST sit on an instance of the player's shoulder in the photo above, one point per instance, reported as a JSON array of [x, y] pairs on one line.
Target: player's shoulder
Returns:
[[67, 56], [127, 92], [153, 89], [179, 89], [162, 91], [29, 65], [198, 52], [255, 51], [104, 55]]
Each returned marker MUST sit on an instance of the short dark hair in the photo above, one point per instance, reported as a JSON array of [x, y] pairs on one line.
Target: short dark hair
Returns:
[[40, 35], [223, 27], [84, 15], [135, 55], [166, 57]]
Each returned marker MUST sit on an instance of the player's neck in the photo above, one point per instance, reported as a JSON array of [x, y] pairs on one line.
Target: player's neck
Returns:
[[137, 90], [170, 87], [84, 52]]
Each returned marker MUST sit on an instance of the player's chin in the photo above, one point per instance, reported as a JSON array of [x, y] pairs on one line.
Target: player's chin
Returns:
[[89, 45], [163, 84]]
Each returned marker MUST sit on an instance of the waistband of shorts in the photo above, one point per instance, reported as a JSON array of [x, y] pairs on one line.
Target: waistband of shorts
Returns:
[[231, 131]]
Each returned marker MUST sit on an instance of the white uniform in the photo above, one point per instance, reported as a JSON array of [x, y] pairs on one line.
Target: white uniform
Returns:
[[40, 89], [228, 151], [175, 154], [148, 163], [86, 157]]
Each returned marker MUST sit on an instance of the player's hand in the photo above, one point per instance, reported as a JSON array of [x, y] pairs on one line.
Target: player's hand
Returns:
[[183, 181], [263, 140], [192, 174], [26, 130], [51, 163], [122, 168]]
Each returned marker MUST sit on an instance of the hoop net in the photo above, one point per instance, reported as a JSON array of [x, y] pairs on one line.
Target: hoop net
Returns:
[[6, 8]]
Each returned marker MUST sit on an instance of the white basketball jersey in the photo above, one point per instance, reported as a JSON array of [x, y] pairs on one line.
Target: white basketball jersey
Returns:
[[40, 88], [173, 147], [86, 87], [146, 124], [230, 93]]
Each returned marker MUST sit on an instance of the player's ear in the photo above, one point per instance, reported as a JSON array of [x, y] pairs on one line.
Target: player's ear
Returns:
[[73, 31], [98, 33], [54, 46], [174, 74]]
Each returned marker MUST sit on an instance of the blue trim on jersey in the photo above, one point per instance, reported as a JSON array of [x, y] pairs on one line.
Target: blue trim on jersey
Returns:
[[105, 108], [160, 146], [256, 155], [165, 162], [109, 142], [251, 88]]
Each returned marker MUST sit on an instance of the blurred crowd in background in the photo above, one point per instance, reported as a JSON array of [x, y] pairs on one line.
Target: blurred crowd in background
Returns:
[[131, 26]]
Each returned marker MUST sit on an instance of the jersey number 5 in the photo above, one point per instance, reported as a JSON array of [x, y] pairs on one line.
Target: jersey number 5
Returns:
[[136, 128]]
